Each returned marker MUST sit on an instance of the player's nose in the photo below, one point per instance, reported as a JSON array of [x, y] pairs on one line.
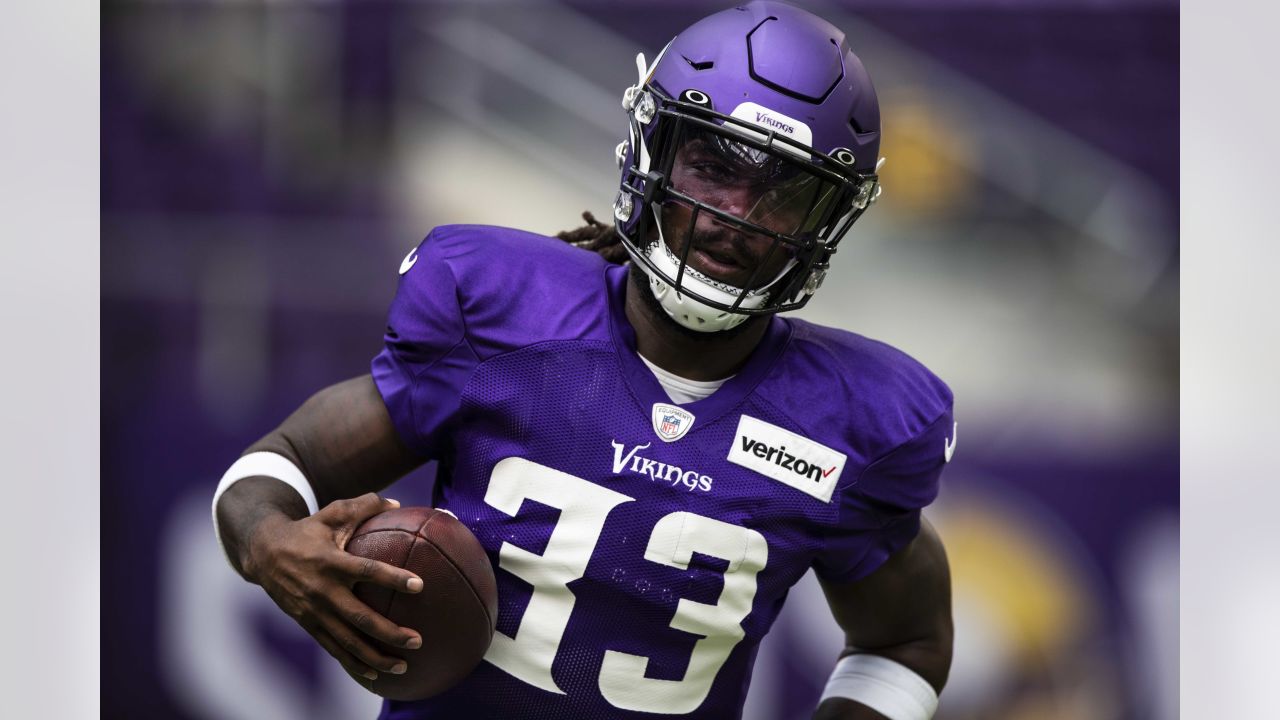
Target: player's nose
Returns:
[[738, 201]]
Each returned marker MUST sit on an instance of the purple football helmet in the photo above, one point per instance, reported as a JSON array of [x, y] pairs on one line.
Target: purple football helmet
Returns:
[[753, 148]]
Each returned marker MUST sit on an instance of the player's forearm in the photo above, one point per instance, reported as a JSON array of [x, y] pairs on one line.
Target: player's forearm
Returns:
[[899, 635], [929, 657], [251, 505], [342, 444]]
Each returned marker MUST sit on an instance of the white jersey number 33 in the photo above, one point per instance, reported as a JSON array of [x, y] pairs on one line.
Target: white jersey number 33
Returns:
[[584, 507]]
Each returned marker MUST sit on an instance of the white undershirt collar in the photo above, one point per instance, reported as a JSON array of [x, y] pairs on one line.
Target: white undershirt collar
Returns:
[[682, 390]]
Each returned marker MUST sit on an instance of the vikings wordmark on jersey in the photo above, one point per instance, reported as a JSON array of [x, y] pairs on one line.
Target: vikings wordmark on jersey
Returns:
[[642, 548]]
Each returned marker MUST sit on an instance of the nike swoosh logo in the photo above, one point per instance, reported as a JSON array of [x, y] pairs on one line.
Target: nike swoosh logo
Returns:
[[949, 444], [409, 261]]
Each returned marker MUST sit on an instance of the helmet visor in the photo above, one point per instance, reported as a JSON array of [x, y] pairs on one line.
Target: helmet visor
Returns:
[[766, 187]]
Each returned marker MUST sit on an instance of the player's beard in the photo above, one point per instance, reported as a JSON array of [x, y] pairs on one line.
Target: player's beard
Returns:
[[640, 284]]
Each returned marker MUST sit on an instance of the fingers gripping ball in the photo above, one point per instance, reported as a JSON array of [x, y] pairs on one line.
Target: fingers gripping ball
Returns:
[[457, 610]]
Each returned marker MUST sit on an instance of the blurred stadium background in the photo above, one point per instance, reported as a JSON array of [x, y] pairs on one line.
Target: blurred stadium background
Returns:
[[265, 166]]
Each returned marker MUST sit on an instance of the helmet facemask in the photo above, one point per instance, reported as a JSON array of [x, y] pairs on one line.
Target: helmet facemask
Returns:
[[730, 218]]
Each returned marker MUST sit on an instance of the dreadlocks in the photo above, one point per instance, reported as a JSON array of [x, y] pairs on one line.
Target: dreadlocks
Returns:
[[596, 237]]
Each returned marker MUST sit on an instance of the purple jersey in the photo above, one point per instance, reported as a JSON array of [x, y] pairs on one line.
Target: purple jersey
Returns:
[[642, 548]]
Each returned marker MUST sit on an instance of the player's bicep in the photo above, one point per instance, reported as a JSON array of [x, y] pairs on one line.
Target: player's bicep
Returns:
[[343, 440], [902, 610]]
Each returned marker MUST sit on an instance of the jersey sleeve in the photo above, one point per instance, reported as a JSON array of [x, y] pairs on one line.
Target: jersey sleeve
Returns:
[[426, 358], [880, 511]]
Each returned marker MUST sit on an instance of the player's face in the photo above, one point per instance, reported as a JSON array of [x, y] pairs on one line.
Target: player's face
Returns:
[[747, 183]]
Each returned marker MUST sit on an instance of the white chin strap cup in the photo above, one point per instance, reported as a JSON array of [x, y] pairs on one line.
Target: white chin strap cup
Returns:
[[687, 311]]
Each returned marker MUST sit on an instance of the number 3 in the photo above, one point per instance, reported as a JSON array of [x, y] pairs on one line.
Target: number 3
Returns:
[[583, 508]]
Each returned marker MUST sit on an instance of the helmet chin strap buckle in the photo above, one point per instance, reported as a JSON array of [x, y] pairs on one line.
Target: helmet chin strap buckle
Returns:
[[623, 206], [640, 104], [814, 281], [868, 192], [645, 108]]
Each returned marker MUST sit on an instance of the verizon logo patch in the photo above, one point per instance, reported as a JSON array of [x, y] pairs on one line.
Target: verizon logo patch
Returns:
[[810, 467]]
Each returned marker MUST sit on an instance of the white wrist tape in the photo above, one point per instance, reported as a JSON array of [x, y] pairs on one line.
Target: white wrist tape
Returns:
[[888, 687], [271, 465]]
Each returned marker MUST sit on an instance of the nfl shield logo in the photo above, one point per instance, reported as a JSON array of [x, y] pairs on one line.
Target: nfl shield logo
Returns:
[[670, 422]]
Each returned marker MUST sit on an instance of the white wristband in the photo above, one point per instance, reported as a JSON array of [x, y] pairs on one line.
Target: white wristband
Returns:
[[267, 464], [890, 688]]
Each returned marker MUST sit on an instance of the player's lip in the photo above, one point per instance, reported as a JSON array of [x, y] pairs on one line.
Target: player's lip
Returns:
[[720, 263], [723, 254]]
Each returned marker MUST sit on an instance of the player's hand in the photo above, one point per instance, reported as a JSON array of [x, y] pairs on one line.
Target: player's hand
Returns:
[[303, 566]]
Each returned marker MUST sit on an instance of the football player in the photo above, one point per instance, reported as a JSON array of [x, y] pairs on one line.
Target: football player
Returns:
[[692, 452]]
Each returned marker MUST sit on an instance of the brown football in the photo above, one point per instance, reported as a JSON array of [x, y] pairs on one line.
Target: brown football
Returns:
[[457, 610]]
